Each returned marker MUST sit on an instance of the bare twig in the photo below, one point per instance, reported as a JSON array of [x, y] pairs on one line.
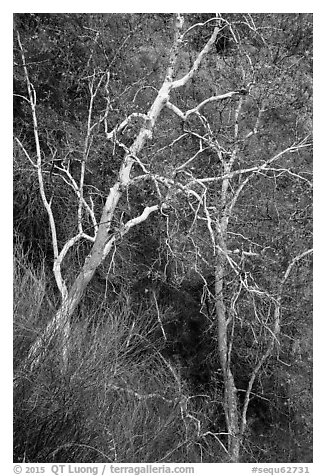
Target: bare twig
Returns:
[[158, 315], [274, 337]]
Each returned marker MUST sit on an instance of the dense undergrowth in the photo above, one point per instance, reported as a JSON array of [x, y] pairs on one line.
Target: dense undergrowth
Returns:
[[121, 399], [126, 396]]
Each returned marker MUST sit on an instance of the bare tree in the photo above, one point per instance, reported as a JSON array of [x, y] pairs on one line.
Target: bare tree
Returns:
[[104, 238]]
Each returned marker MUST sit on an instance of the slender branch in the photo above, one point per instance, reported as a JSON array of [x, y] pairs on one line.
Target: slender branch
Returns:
[[257, 168], [120, 127], [87, 145], [47, 204], [60, 258], [290, 267], [127, 226], [176, 110], [199, 24], [23, 97], [158, 315], [288, 171], [26, 153], [73, 184], [212, 99], [178, 39], [182, 81], [258, 121], [184, 116], [185, 164], [274, 335]]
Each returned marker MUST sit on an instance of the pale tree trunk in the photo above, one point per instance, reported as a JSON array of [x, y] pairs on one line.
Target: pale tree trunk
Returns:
[[105, 238], [60, 324], [224, 342], [230, 392]]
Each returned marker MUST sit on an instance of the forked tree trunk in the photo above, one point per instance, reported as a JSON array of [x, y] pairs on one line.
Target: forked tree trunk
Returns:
[[60, 323]]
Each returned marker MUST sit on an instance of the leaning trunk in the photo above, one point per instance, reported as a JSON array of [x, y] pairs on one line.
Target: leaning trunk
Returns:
[[60, 323]]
